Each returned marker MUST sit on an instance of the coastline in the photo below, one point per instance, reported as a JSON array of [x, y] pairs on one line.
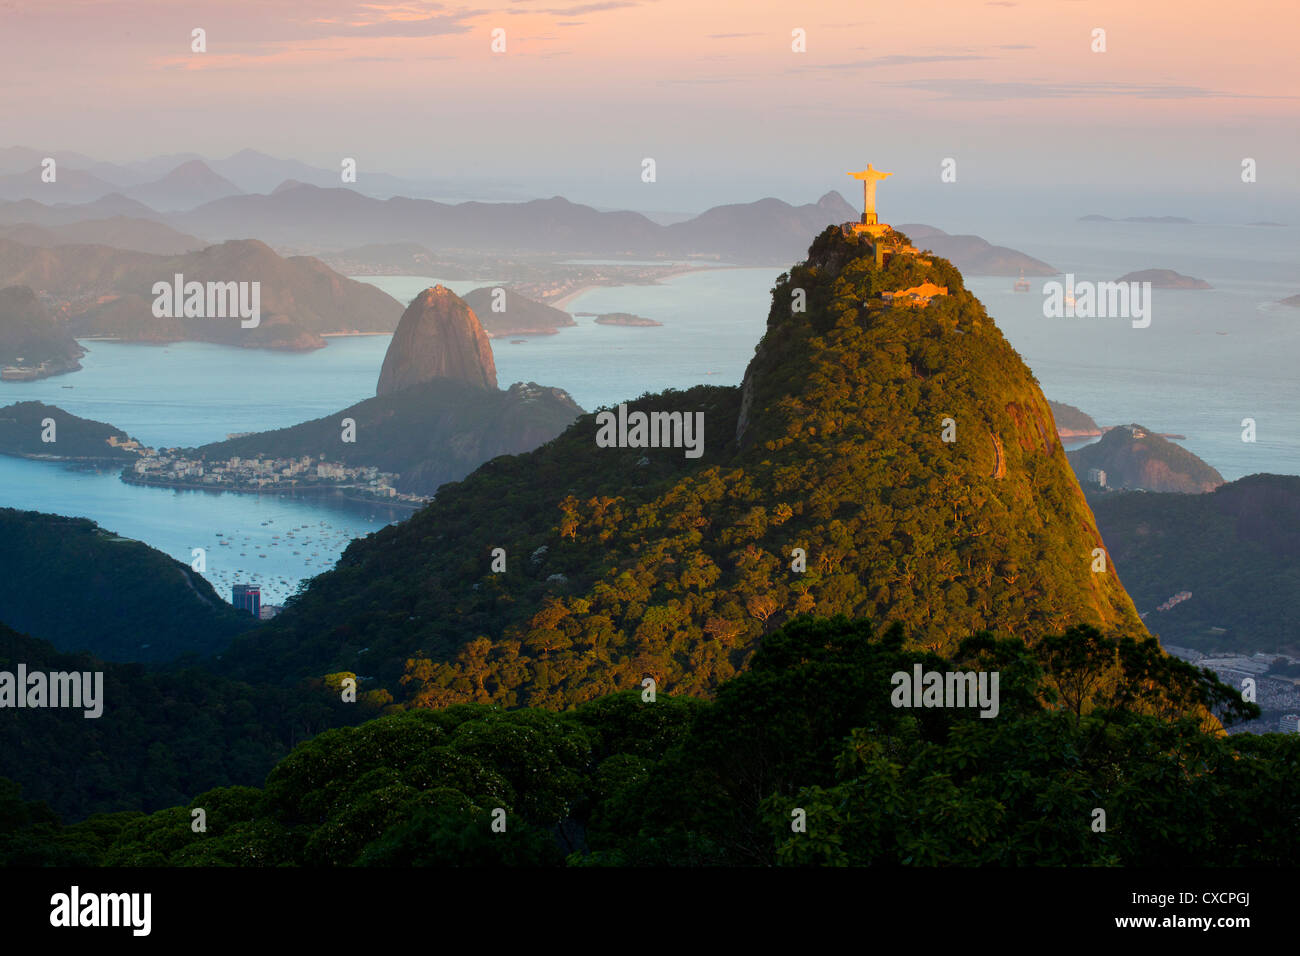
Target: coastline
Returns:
[[568, 297], [68, 459], [1067, 434], [29, 373], [526, 332], [308, 492], [672, 272]]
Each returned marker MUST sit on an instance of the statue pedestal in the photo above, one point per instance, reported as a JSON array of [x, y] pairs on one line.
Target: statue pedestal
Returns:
[[870, 233]]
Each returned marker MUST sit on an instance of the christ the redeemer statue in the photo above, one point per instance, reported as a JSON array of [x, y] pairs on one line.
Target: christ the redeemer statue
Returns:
[[869, 177]]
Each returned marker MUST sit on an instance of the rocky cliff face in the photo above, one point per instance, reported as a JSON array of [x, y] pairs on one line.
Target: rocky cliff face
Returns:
[[439, 336]]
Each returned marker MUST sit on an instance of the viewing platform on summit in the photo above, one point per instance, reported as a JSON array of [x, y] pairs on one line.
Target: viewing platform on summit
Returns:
[[919, 295], [878, 235]]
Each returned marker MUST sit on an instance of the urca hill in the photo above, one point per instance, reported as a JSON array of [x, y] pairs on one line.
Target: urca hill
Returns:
[[437, 413], [888, 455]]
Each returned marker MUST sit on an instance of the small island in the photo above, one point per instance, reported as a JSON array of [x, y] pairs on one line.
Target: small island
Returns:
[[1291, 300], [1165, 279], [625, 318]]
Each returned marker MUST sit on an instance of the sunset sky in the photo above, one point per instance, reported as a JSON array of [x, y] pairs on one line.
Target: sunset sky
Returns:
[[711, 90]]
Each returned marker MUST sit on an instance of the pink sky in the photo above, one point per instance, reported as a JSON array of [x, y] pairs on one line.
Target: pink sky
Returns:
[[709, 89]]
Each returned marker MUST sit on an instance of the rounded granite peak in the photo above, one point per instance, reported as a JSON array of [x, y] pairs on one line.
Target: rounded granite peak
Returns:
[[438, 336]]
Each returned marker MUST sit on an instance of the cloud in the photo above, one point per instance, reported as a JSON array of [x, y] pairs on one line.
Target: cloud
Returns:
[[587, 8], [897, 59], [731, 36], [702, 80], [965, 89], [443, 25]]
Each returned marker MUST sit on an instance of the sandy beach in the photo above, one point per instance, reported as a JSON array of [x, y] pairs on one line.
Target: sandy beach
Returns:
[[568, 297]]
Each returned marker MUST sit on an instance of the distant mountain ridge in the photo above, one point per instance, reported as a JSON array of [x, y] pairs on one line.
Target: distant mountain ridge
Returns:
[[249, 170], [974, 255], [106, 207], [188, 185], [309, 208], [768, 231], [108, 292], [69, 186], [119, 232]]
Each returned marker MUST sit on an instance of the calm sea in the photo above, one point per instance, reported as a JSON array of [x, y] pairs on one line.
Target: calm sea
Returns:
[[1208, 360]]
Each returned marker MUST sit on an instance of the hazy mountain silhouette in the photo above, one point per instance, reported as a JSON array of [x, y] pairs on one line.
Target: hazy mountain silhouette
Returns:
[[114, 204], [188, 185], [119, 232], [70, 186], [109, 291], [974, 255]]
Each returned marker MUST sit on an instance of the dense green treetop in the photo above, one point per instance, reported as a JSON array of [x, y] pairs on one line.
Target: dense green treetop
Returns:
[[1086, 722], [1236, 550]]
